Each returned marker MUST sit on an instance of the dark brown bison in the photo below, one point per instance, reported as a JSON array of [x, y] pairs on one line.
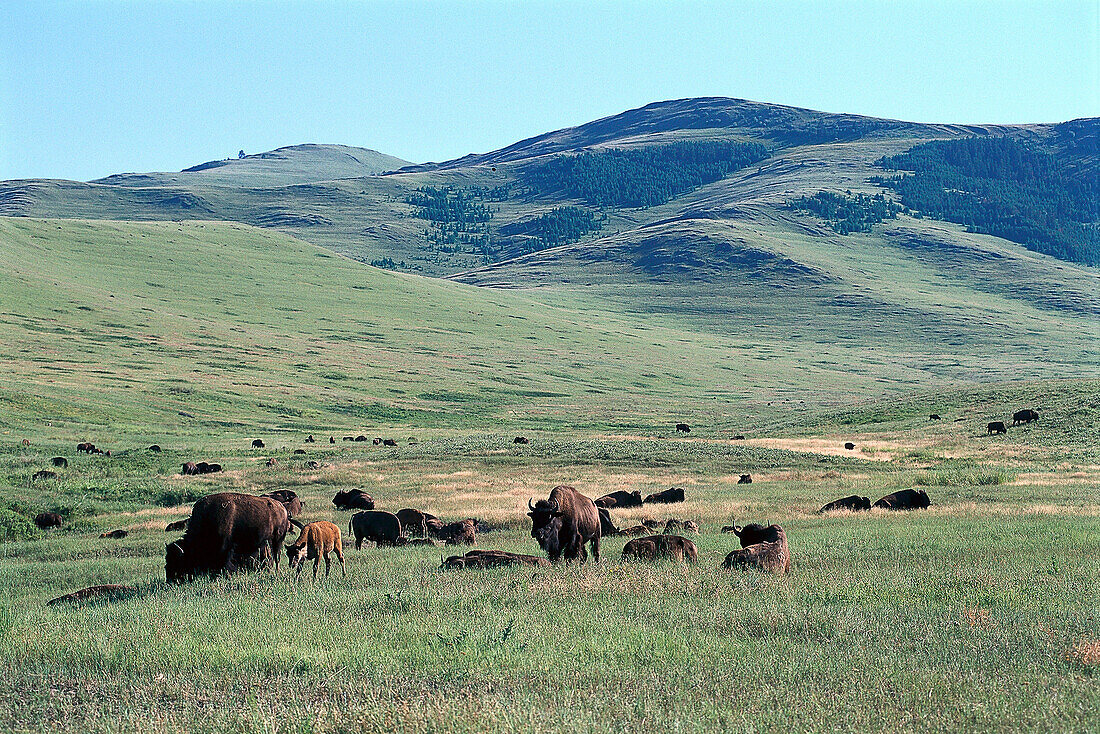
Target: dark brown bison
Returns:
[[155, 449], [257, 443], [667, 497], [849, 445], [389, 442], [996, 427], [491, 559], [332, 439], [413, 522], [654, 547], [377, 442], [360, 439], [298, 452], [745, 479], [348, 438], [85, 448], [59, 461], [434, 523], [190, 468], [905, 499], [116, 534], [26, 442], [462, 532], [204, 468], [564, 522], [381, 527], [289, 499], [854, 502], [315, 542], [674, 526], [310, 439], [738, 437], [43, 474], [935, 417], [607, 526], [635, 530], [225, 530], [762, 547], [46, 520], [177, 525], [620, 498], [683, 428], [1027, 415], [520, 439], [353, 499]]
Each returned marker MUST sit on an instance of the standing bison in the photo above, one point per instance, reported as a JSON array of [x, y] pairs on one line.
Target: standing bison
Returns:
[[413, 522], [564, 522], [620, 498], [381, 527], [905, 499], [995, 427], [762, 547], [45, 520], [683, 428], [257, 444], [225, 529], [1027, 415]]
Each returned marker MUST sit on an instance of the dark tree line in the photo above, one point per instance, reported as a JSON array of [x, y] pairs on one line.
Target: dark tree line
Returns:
[[641, 177], [847, 213], [1003, 187], [559, 226]]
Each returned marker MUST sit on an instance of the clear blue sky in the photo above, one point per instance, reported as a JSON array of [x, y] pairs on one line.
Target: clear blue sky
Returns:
[[92, 88]]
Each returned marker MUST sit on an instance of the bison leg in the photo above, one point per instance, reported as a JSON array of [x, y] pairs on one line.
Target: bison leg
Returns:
[[328, 563], [596, 549], [317, 565]]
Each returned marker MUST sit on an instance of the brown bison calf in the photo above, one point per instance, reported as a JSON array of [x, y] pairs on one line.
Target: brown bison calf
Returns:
[[315, 542], [653, 547], [116, 534], [762, 547], [492, 559]]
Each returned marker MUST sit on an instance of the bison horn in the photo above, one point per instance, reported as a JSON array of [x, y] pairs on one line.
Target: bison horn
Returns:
[[530, 505], [737, 530]]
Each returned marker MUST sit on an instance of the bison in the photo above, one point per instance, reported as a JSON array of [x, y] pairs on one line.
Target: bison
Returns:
[[86, 448], [44, 474], [298, 452], [257, 443], [46, 520], [377, 441], [849, 445], [177, 525], [635, 530], [1027, 415], [116, 534], [996, 427], [360, 439], [654, 547], [683, 428], [620, 498], [353, 499], [564, 522], [310, 439], [674, 526], [492, 559], [520, 439], [332, 439], [462, 532], [59, 461], [389, 442], [413, 522], [271, 462], [289, 499], [854, 502], [745, 479], [905, 499], [935, 417], [315, 542], [381, 527], [94, 592], [204, 468], [738, 437], [155, 449], [189, 468], [224, 530], [762, 547], [607, 526], [668, 496]]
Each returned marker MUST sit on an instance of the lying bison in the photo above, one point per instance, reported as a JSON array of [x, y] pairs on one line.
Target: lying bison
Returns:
[[43, 474], [462, 532], [59, 461], [745, 479], [413, 522], [654, 547], [620, 498], [854, 502], [353, 499], [674, 526], [381, 527], [905, 499], [154, 449], [762, 547], [564, 522], [204, 468], [116, 534], [668, 496], [315, 542], [189, 468], [46, 520], [635, 530], [996, 427], [492, 559], [849, 445], [224, 530], [389, 442], [1027, 415]]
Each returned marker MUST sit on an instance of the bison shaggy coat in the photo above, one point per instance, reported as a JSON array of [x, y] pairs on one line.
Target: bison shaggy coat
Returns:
[[1027, 415], [413, 522], [315, 542], [353, 499], [223, 530], [47, 520], [620, 498], [381, 527], [564, 522], [905, 499], [654, 547], [852, 502], [668, 496], [764, 548]]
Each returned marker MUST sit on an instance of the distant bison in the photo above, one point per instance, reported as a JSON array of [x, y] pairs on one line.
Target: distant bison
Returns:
[[315, 542], [85, 448], [849, 445], [177, 525], [620, 498], [313, 465], [762, 547], [654, 547], [271, 462], [154, 449], [332, 439], [674, 526], [204, 468], [745, 479], [381, 527], [224, 530], [854, 502], [377, 442], [288, 498], [996, 427], [564, 522], [353, 499], [389, 442], [189, 468], [683, 428], [668, 496], [299, 452], [257, 444], [360, 439], [905, 499], [738, 437], [43, 474], [310, 439], [26, 442], [462, 532], [59, 461], [935, 417], [1027, 415], [116, 534], [520, 439], [491, 559], [413, 522], [46, 520]]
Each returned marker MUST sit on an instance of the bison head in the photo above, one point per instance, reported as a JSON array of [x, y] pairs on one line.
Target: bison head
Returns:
[[754, 533], [177, 566], [295, 554], [545, 522]]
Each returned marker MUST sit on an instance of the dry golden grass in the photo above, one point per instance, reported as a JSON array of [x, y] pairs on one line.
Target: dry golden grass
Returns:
[[1086, 653]]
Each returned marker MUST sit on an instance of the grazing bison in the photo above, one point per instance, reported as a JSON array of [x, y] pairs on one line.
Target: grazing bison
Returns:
[[762, 547], [389, 442], [353, 499], [745, 479], [413, 522], [935, 417], [738, 437], [849, 445], [224, 530], [564, 522], [1027, 415], [654, 547], [607, 527], [190, 468], [683, 428], [360, 439], [257, 444], [854, 502], [155, 449], [462, 532], [520, 439], [204, 468], [381, 527], [85, 448], [491, 559], [46, 520], [316, 541], [309, 439], [996, 427], [116, 534], [905, 499], [377, 442], [620, 498], [177, 525], [667, 497], [43, 474], [288, 498], [59, 461]]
